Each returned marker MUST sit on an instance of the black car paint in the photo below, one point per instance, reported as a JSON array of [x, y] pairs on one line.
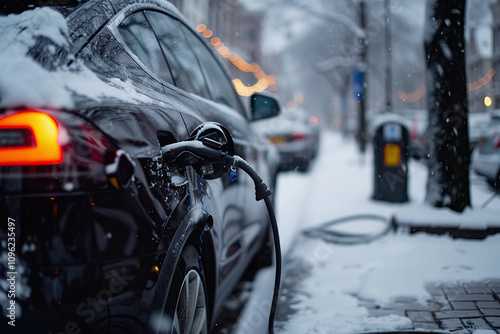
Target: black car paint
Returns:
[[89, 255]]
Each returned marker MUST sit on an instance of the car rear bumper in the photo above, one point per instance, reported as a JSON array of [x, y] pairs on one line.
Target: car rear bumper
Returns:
[[79, 257]]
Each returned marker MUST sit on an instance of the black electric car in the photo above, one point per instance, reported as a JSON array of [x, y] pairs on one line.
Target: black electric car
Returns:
[[100, 231]]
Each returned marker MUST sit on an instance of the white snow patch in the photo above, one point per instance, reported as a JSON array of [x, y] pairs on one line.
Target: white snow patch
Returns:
[[471, 219], [446, 50]]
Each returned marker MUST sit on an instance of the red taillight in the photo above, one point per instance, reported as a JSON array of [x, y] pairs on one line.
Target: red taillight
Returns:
[[298, 136], [414, 130], [496, 141], [29, 137]]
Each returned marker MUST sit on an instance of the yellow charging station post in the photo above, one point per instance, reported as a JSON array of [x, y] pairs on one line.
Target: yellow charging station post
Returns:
[[390, 147]]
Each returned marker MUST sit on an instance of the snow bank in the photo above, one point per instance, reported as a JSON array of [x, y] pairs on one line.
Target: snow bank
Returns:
[[31, 83], [425, 216]]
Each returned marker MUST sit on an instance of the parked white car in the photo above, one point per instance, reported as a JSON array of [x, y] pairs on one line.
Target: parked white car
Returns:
[[486, 156]]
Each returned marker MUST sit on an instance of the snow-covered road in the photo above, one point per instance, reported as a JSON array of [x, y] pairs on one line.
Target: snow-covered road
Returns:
[[323, 283]]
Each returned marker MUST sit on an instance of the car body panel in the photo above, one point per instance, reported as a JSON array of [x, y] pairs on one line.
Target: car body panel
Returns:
[[85, 241]]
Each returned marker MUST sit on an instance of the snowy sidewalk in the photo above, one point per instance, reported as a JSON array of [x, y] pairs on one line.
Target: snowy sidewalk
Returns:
[[331, 288], [457, 307]]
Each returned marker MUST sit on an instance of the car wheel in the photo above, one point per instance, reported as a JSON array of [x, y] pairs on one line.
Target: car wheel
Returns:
[[187, 300]]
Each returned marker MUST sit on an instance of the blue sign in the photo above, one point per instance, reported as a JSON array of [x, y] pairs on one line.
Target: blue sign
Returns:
[[357, 85], [392, 132]]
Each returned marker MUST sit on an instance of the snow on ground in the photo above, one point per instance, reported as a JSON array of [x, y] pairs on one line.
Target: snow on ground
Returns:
[[328, 280]]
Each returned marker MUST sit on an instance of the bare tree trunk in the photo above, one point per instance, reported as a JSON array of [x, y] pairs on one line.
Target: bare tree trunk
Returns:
[[448, 180]]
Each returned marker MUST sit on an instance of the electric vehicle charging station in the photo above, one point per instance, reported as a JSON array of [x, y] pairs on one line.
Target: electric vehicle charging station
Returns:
[[390, 156]]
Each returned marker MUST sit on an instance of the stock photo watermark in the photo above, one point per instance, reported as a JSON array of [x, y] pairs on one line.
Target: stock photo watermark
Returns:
[[11, 271]]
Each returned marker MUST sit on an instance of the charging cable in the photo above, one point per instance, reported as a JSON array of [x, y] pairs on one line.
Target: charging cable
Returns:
[[262, 191], [206, 151], [348, 238]]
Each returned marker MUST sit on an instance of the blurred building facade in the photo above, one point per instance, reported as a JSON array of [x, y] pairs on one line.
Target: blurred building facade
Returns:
[[238, 28], [496, 54], [479, 57]]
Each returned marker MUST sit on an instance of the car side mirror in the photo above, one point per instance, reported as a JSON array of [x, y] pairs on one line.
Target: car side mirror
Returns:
[[263, 106]]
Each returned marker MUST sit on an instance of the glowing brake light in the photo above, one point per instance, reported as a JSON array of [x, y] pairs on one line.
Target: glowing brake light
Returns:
[[29, 138], [496, 141], [298, 136]]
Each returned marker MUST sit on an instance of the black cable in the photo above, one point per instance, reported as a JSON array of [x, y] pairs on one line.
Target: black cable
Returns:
[[209, 151], [262, 191], [344, 238], [277, 278]]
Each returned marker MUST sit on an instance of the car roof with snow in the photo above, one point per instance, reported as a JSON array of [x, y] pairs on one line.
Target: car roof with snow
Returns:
[[48, 42]]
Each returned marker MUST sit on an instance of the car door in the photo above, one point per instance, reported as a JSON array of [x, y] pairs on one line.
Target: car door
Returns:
[[228, 198], [248, 146]]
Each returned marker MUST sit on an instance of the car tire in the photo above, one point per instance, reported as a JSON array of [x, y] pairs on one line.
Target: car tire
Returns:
[[186, 309]]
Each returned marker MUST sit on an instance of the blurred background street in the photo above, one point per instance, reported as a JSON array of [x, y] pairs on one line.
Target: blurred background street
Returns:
[[332, 288]]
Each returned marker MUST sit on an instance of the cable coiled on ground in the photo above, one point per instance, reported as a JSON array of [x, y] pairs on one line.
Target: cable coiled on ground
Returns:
[[346, 238]]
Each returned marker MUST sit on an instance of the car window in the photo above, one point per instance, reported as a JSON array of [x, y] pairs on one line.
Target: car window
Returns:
[[221, 88], [138, 36], [183, 63]]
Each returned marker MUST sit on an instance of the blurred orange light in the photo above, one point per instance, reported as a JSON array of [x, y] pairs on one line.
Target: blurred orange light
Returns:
[[207, 33], [219, 46], [254, 67], [201, 28], [264, 81], [215, 41], [298, 98], [224, 52], [271, 79], [290, 105], [481, 82], [413, 96], [243, 90]]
